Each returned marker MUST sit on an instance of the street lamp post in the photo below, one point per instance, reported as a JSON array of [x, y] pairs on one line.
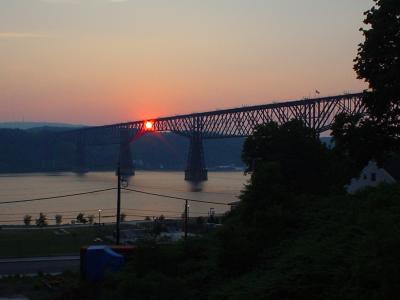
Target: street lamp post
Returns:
[[100, 216], [186, 219]]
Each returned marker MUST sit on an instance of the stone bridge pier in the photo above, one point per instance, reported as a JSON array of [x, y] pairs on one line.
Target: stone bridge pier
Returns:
[[196, 170]]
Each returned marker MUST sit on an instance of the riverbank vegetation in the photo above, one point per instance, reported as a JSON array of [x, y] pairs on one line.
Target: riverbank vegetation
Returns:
[[303, 247], [309, 247], [296, 234]]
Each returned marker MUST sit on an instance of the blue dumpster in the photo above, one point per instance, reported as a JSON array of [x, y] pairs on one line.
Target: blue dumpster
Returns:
[[101, 259]]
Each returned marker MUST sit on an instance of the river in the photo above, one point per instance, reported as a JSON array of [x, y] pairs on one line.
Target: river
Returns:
[[221, 187]]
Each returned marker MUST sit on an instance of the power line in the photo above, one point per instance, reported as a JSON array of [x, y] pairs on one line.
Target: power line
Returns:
[[86, 212], [57, 197], [110, 189], [170, 217], [53, 219], [233, 193], [153, 210], [55, 212], [144, 216], [164, 211], [69, 215], [7, 221], [174, 197], [104, 190]]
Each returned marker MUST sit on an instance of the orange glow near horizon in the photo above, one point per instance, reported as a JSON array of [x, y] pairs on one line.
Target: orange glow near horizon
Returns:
[[111, 61], [149, 125]]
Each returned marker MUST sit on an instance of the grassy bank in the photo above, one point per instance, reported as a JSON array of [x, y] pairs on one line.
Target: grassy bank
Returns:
[[335, 247], [306, 247], [50, 241]]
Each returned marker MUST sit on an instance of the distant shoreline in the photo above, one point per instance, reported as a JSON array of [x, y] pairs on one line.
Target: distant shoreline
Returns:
[[62, 173]]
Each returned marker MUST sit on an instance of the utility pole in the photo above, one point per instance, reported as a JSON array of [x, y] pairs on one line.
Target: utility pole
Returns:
[[118, 201], [186, 219]]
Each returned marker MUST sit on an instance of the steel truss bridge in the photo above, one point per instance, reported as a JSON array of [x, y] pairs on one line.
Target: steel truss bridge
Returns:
[[316, 113]]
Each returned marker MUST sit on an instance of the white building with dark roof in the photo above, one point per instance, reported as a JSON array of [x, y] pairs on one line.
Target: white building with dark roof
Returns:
[[373, 175]]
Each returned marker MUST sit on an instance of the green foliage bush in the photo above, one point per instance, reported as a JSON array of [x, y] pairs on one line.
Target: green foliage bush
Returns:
[[283, 241], [310, 247], [347, 248]]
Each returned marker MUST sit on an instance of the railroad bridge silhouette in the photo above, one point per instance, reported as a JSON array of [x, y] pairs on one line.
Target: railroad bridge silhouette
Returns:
[[316, 113]]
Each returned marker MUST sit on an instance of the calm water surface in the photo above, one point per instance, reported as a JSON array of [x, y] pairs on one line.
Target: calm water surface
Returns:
[[221, 187]]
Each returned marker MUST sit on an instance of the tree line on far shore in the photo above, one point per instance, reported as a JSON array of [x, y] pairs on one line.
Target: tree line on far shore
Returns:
[[81, 218]]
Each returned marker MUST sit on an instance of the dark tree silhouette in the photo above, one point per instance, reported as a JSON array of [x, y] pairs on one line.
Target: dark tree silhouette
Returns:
[[91, 219], [286, 161], [362, 138], [42, 220], [295, 150], [81, 218], [27, 220], [378, 59], [58, 219]]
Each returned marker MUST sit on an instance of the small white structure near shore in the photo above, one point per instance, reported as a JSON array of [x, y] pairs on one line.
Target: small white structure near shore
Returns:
[[373, 175]]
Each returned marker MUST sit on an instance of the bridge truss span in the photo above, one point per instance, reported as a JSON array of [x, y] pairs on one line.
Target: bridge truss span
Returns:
[[316, 113]]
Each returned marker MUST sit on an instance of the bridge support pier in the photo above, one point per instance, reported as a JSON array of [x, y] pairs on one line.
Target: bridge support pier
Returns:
[[80, 157], [196, 170], [125, 155]]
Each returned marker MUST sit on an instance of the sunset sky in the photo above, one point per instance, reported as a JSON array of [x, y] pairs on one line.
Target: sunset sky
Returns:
[[107, 61]]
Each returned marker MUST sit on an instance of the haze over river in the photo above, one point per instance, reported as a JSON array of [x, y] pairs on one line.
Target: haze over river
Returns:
[[221, 187]]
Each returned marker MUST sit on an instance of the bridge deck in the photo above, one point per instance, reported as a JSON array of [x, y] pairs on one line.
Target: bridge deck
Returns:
[[317, 113]]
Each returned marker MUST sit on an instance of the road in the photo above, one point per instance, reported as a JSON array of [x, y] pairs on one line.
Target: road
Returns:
[[32, 265]]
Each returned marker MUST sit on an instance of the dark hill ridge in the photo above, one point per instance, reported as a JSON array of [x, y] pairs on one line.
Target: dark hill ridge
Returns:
[[30, 125], [29, 151]]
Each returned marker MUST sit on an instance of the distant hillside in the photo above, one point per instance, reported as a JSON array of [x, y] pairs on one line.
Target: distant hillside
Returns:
[[29, 125], [52, 128], [33, 150]]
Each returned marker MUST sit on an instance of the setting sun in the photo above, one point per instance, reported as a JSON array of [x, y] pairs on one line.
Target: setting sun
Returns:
[[148, 125]]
